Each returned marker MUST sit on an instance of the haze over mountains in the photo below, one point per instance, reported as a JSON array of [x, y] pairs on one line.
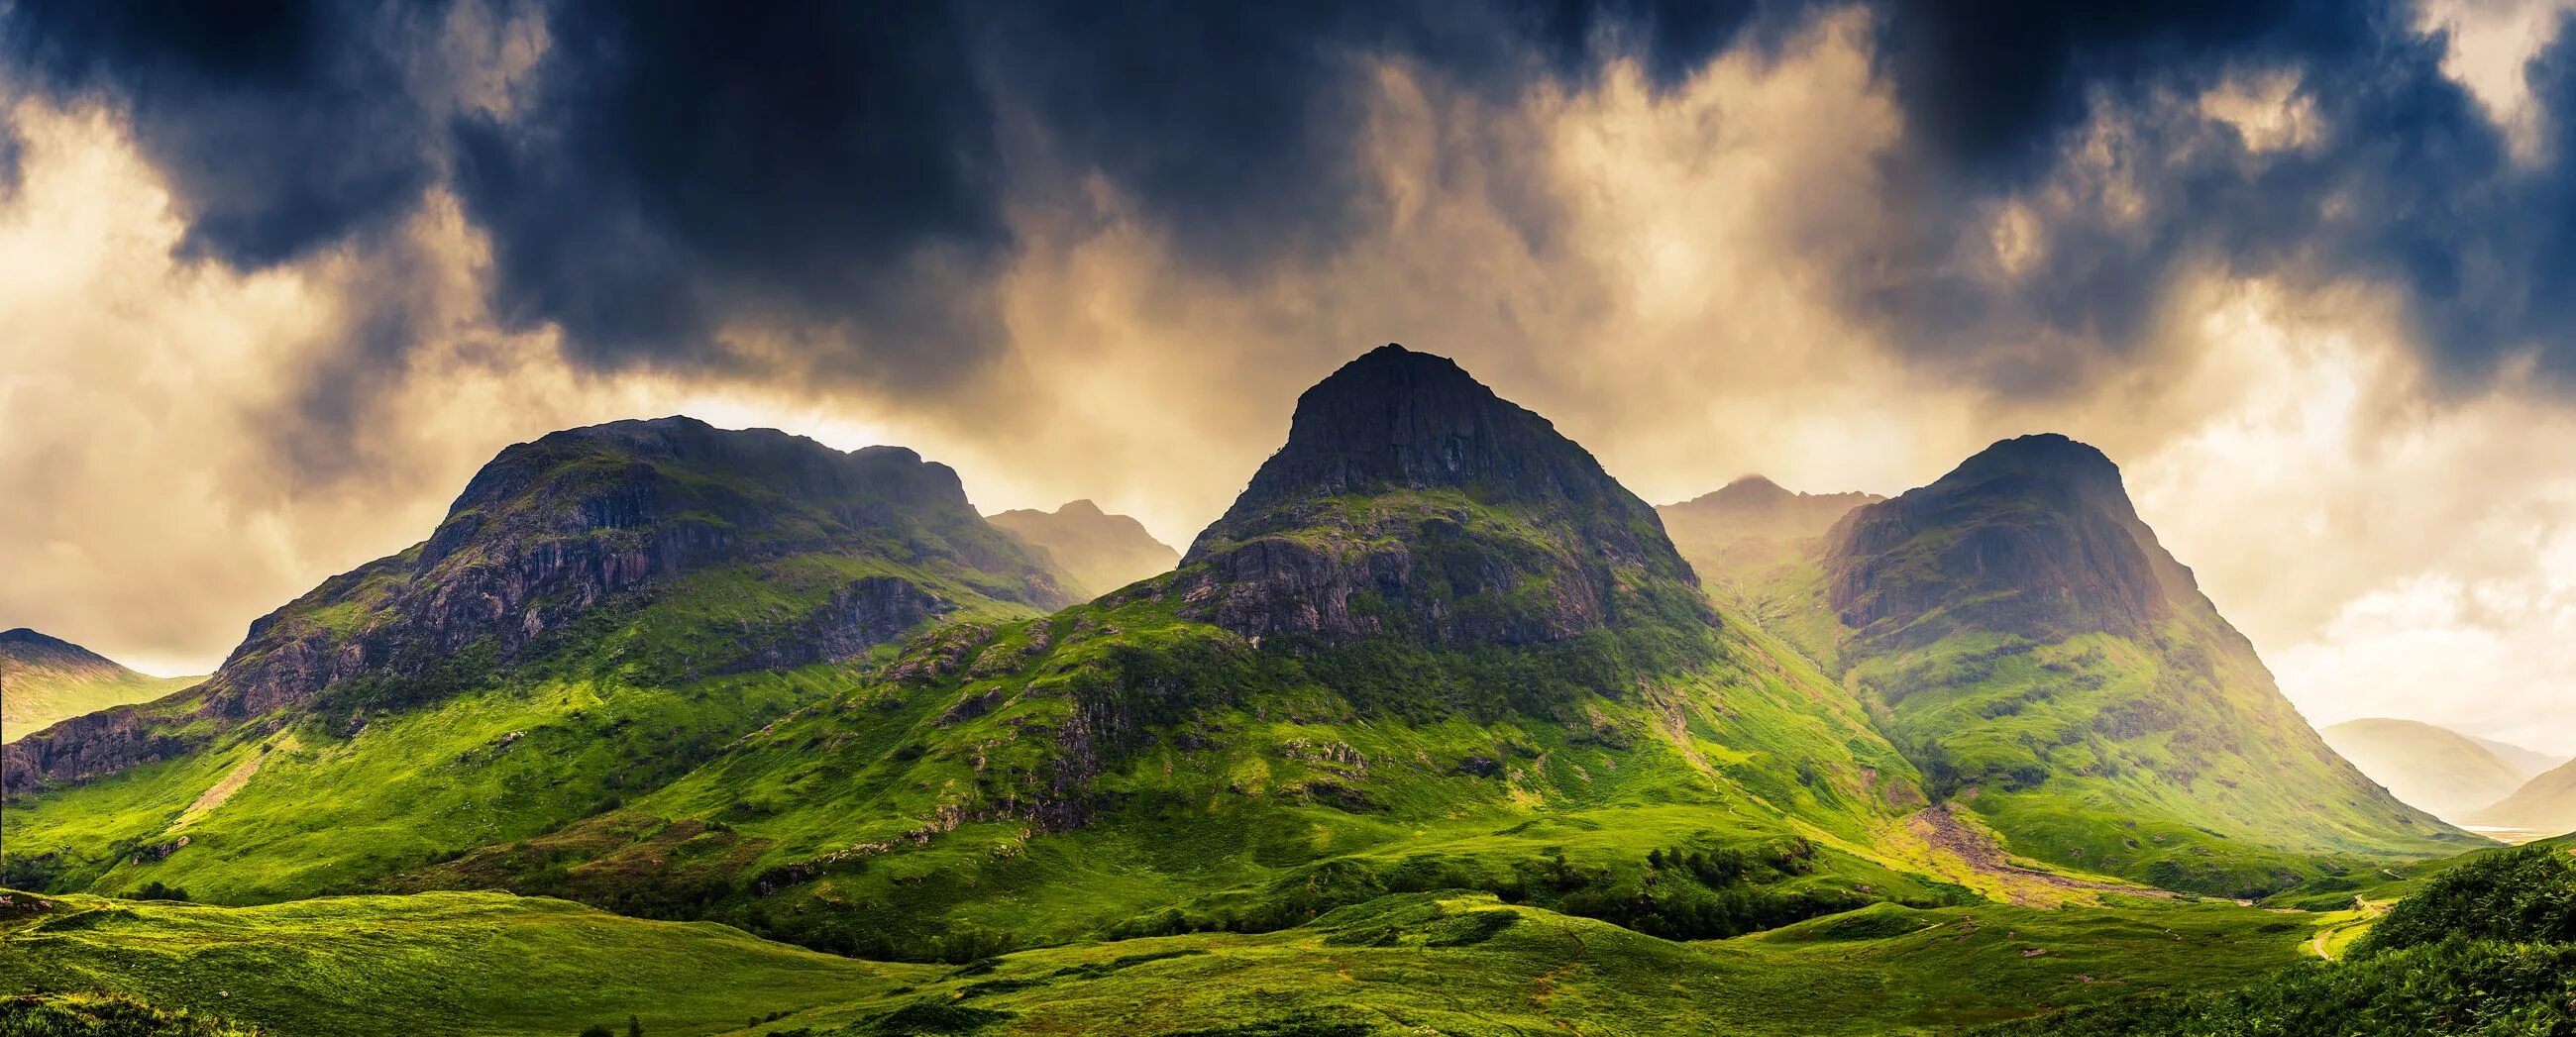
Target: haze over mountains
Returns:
[[2440, 770], [1097, 552], [45, 679], [679, 672]]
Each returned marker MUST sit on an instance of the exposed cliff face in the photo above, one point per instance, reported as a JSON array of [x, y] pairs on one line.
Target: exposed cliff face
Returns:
[[2047, 661], [2034, 537], [616, 513], [1411, 500], [1096, 552]]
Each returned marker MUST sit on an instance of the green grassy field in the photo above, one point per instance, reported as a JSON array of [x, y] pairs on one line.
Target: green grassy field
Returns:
[[443, 963], [1464, 963]]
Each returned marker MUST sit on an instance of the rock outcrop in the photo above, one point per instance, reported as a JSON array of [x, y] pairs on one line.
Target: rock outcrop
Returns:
[[615, 513], [1411, 500], [2034, 536]]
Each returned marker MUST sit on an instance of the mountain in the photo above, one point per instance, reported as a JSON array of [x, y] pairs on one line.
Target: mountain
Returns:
[[1755, 547], [2531, 762], [44, 680], [2437, 769], [1095, 551], [1432, 645], [2546, 804], [1754, 508], [2049, 665], [599, 610]]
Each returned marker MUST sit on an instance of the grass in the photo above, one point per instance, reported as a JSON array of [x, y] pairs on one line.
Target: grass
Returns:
[[2487, 946], [443, 963], [1460, 962], [1468, 964]]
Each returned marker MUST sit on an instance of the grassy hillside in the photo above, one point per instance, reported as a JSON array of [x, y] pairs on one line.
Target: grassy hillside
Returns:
[[448, 963], [602, 610], [1118, 768], [2436, 769], [2047, 664], [44, 680], [1463, 963], [2486, 946]]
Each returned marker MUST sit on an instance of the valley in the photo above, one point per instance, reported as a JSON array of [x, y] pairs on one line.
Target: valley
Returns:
[[1439, 727]]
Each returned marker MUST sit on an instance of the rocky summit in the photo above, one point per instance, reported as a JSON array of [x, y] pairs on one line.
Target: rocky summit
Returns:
[[2033, 536], [1409, 499], [853, 549]]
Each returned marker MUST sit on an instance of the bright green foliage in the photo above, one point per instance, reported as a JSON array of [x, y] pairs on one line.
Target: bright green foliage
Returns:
[[2484, 945], [103, 1015], [2526, 894], [1472, 965], [2464, 989], [444, 963], [1117, 768]]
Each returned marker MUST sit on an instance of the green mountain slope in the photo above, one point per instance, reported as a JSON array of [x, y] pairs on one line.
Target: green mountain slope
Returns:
[[2050, 666], [600, 610], [1433, 645], [44, 680], [1097, 552], [2441, 771], [2545, 804], [1756, 548]]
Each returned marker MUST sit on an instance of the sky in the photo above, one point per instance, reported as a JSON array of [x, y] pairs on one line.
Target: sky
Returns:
[[276, 277]]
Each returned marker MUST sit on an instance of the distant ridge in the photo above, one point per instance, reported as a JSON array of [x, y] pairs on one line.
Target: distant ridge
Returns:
[[45, 680], [2440, 770], [1094, 552]]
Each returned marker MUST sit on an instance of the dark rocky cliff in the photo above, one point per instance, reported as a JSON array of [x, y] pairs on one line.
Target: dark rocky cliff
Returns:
[[1410, 499], [2034, 536], [550, 530]]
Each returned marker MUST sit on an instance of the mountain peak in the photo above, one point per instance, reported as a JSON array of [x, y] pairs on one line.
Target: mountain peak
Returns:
[[1410, 498], [2032, 536], [1395, 419], [26, 645]]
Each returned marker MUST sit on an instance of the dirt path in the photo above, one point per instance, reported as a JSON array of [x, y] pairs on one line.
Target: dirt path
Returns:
[[1946, 832], [2370, 912]]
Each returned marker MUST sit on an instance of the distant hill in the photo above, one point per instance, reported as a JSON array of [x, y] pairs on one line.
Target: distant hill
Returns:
[[2545, 804], [2053, 668], [1755, 508], [1094, 552], [2440, 770], [1755, 547], [2531, 762], [44, 680]]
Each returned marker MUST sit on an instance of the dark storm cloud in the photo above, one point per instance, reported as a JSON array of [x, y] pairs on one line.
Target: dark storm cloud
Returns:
[[2409, 183], [824, 192], [282, 125]]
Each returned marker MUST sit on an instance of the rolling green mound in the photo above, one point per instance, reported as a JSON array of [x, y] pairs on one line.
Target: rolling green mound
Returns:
[[1463, 963], [2487, 945], [601, 610], [44, 680], [2047, 664], [445, 963]]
